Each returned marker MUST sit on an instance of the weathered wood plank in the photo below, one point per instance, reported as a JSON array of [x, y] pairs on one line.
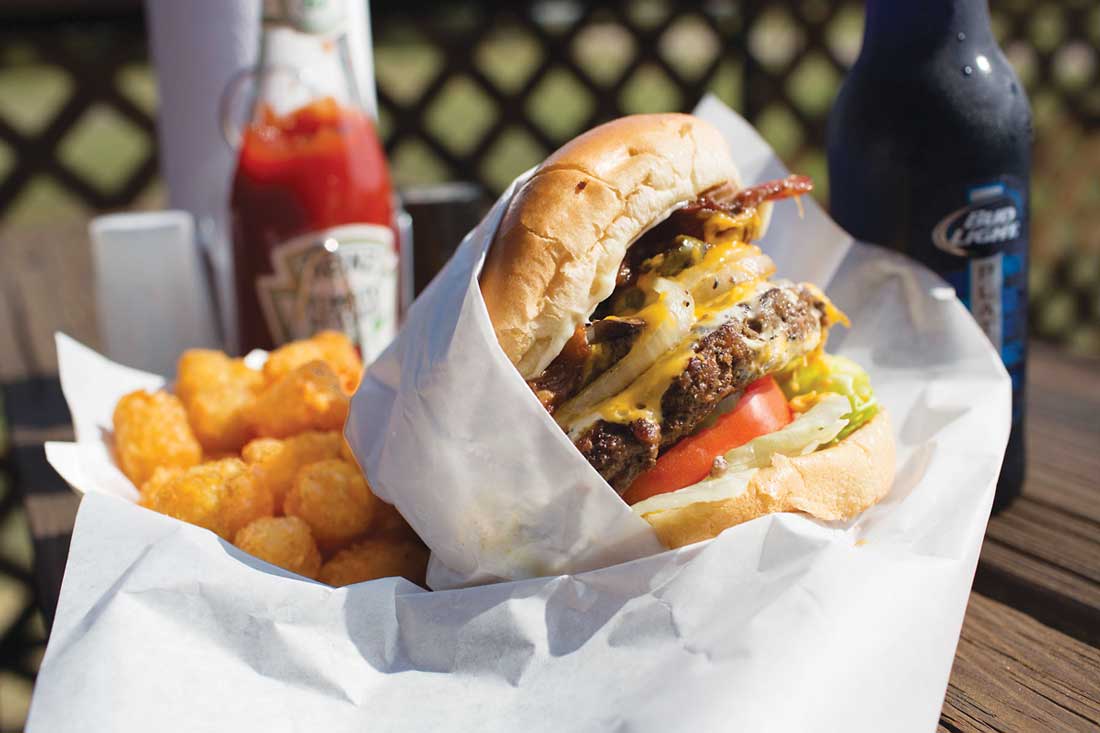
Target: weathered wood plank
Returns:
[[1065, 476], [1012, 673], [1042, 554], [1064, 432], [1051, 594], [46, 276], [13, 363], [1058, 538], [1064, 372], [1045, 561]]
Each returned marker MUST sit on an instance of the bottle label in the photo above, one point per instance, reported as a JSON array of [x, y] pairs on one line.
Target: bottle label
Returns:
[[984, 245], [989, 223], [344, 279]]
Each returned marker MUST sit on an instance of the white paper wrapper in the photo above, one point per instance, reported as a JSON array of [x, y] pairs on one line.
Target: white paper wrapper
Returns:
[[780, 624]]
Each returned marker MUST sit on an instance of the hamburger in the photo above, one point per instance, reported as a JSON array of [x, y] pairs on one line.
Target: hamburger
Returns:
[[625, 285]]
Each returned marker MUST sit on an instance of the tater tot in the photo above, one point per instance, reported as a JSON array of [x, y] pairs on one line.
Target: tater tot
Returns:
[[307, 398], [339, 353], [196, 495], [260, 449], [334, 500], [386, 517], [152, 430], [287, 358], [160, 477], [331, 347], [274, 463], [218, 392], [282, 541], [376, 558], [246, 500]]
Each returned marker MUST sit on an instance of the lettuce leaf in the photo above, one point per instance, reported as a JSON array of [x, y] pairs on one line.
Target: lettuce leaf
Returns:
[[806, 433], [828, 374]]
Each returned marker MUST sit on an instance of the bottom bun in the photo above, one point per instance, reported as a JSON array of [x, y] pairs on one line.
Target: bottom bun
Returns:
[[831, 484]]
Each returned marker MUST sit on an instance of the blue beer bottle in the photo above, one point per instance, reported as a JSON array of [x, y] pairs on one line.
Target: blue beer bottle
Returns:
[[929, 149]]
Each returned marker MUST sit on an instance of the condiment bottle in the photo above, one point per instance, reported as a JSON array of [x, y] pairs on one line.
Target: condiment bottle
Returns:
[[314, 234]]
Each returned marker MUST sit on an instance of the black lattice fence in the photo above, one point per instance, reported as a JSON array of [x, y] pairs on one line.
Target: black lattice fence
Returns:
[[59, 142], [512, 82]]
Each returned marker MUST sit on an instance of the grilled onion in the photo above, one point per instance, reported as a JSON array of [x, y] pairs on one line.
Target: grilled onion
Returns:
[[668, 321], [707, 282]]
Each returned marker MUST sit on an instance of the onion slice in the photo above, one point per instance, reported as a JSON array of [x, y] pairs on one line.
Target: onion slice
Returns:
[[668, 322], [707, 282]]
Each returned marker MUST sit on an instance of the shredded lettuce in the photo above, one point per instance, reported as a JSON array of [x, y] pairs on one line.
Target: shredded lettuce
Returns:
[[805, 434], [720, 488], [827, 374], [817, 426]]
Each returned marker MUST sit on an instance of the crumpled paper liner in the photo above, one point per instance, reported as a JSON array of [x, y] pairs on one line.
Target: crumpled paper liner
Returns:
[[782, 623]]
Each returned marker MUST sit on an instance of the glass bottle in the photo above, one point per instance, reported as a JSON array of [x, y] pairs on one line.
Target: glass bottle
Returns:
[[313, 212], [929, 148]]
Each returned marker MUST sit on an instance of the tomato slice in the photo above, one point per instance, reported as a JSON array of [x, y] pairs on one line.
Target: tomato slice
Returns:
[[762, 409]]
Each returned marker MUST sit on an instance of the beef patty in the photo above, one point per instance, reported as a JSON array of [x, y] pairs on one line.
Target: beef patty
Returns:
[[780, 325]]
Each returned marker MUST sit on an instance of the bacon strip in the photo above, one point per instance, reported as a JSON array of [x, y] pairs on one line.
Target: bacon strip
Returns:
[[592, 349], [753, 196], [564, 375]]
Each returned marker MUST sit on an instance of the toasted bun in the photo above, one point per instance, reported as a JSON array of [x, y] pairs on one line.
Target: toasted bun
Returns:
[[567, 229], [835, 483]]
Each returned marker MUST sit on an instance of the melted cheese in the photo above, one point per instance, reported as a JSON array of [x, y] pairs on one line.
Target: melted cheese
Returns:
[[642, 399], [728, 237], [707, 311], [724, 252], [832, 314], [721, 228]]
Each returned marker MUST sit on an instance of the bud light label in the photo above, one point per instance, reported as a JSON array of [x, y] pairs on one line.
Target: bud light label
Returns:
[[985, 241], [980, 228]]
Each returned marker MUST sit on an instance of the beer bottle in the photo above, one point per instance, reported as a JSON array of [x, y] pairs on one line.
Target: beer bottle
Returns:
[[929, 146]]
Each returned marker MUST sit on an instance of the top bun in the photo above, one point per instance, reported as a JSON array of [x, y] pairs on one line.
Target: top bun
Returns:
[[567, 229]]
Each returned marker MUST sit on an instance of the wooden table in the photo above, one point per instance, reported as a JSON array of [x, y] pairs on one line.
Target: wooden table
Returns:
[[1029, 656]]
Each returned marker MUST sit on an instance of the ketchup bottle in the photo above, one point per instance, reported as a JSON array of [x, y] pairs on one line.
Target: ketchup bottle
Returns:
[[314, 236]]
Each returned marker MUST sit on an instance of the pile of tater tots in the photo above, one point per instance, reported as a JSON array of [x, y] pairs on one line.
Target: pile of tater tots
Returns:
[[258, 457]]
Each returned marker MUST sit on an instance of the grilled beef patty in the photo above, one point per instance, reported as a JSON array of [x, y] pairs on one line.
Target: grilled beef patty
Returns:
[[784, 323]]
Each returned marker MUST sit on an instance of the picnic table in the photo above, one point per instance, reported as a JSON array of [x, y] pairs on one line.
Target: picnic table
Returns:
[[1029, 655]]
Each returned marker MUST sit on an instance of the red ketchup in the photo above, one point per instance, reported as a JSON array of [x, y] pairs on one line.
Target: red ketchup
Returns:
[[313, 229]]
